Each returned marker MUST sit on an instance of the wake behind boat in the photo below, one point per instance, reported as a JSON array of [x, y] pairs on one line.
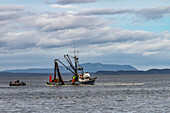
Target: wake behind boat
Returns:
[[79, 77]]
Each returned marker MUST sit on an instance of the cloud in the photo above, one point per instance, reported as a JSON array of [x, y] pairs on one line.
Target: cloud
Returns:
[[47, 23], [150, 53], [144, 48], [62, 6], [11, 8], [10, 12], [52, 33], [70, 1], [56, 30], [103, 11], [98, 40], [21, 40], [153, 13], [74, 1], [8, 15], [147, 13]]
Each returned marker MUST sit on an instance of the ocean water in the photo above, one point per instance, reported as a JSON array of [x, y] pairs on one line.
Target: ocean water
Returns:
[[151, 96]]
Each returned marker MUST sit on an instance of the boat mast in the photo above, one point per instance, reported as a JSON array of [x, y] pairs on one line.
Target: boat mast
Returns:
[[58, 73], [76, 61]]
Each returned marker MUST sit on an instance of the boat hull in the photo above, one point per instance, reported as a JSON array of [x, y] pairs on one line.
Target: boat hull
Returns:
[[89, 82], [17, 84]]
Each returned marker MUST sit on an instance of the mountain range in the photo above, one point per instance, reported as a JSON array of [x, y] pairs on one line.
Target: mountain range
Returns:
[[151, 71], [88, 67]]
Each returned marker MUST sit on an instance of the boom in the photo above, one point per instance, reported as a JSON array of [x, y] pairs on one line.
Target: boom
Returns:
[[69, 61], [64, 66]]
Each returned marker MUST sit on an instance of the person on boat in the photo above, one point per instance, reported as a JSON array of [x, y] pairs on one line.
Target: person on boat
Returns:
[[81, 76], [73, 81], [74, 78], [50, 78], [16, 81]]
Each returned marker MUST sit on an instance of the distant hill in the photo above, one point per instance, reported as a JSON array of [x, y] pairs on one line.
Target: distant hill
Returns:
[[94, 67], [88, 67], [151, 71]]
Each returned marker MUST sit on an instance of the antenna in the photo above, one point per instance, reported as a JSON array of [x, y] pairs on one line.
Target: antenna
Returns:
[[74, 49], [78, 53]]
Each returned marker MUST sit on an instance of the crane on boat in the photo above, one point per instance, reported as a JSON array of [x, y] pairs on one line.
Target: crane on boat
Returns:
[[78, 77], [73, 68]]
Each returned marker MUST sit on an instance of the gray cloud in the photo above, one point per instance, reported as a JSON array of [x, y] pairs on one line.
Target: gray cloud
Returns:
[[11, 8], [47, 23], [74, 1], [9, 16], [69, 1], [15, 41], [148, 13], [52, 34], [103, 11], [10, 12], [55, 30], [153, 13]]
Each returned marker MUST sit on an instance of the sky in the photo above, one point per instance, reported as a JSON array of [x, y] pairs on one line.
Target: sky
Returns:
[[126, 32]]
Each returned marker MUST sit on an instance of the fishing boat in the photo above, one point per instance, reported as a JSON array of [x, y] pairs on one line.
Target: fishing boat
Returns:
[[17, 83], [79, 76]]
